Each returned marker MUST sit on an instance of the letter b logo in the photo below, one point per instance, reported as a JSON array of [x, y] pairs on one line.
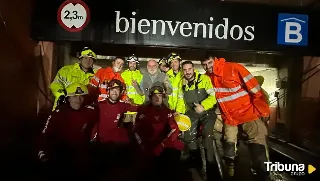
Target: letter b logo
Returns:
[[293, 29]]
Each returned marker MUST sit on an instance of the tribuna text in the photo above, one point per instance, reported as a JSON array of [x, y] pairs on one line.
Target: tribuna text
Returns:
[[185, 29]]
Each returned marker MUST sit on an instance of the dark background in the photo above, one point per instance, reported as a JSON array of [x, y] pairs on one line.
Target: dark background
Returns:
[[101, 28]]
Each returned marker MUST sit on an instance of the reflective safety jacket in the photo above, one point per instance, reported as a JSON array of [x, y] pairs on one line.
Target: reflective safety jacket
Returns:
[[176, 95], [238, 93], [100, 80], [67, 75], [199, 91], [132, 93]]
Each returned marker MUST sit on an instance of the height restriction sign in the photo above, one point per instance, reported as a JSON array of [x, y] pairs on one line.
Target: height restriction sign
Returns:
[[73, 15]]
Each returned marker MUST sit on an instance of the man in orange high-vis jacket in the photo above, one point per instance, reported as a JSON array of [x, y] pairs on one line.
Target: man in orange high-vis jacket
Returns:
[[98, 84], [243, 106]]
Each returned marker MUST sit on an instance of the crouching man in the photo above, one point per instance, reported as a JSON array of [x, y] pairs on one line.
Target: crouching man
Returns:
[[64, 142], [157, 132]]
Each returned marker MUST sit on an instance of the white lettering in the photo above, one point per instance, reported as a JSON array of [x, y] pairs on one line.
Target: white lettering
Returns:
[[182, 28], [289, 31], [154, 26], [188, 29], [118, 19], [295, 169], [225, 29], [204, 29], [173, 31], [232, 32], [133, 22], [249, 33], [210, 28], [143, 23]]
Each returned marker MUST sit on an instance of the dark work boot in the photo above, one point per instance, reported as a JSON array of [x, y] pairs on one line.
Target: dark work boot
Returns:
[[229, 156], [258, 154]]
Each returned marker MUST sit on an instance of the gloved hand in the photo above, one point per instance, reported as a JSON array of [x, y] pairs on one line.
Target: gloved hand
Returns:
[[265, 119], [158, 150]]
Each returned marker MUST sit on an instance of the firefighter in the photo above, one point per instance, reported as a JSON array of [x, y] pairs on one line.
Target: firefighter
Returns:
[[81, 72], [64, 141], [243, 105], [111, 132], [164, 67], [199, 100], [98, 84], [175, 75], [157, 132], [132, 78], [154, 78]]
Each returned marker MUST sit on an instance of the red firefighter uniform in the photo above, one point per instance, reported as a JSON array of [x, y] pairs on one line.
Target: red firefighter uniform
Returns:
[[67, 134], [155, 129], [100, 80], [239, 103], [109, 127]]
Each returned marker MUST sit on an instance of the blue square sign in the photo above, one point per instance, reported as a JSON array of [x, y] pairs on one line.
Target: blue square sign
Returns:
[[293, 29]]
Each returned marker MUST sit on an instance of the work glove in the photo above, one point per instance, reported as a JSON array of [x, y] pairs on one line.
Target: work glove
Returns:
[[158, 150]]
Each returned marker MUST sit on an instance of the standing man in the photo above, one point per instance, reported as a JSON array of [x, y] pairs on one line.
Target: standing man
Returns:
[[133, 78], [98, 84], [112, 133], [154, 78], [241, 103], [175, 76], [65, 139], [81, 72], [200, 100], [163, 65], [157, 133]]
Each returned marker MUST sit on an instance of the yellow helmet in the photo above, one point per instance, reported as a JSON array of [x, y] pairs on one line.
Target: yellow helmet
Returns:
[[76, 89], [183, 121], [86, 52], [173, 56]]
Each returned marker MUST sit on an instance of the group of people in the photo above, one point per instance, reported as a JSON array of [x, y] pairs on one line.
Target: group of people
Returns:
[[89, 123]]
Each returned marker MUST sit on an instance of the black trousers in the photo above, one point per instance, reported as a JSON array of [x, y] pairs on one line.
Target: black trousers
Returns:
[[166, 167]]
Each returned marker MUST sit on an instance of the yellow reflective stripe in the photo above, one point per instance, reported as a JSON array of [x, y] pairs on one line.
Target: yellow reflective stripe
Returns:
[[234, 89], [232, 97], [96, 78], [255, 89], [248, 77]]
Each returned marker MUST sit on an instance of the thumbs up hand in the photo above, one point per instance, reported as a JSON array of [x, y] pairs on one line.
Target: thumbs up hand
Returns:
[[198, 108]]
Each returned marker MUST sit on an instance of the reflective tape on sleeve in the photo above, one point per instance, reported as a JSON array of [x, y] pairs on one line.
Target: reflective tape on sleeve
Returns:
[[234, 89], [255, 89], [248, 77], [232, 97]]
